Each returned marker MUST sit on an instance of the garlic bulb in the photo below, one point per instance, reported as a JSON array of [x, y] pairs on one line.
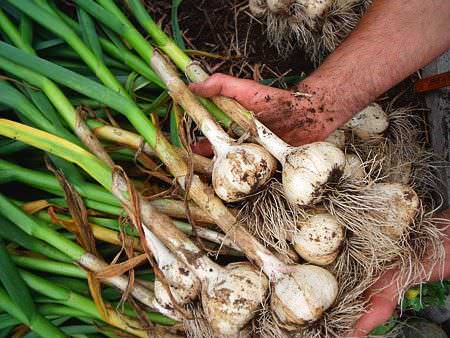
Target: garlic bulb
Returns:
[[369, 122], [306, 169], [230, 299], [183, 284], [257, 7], [315, 8], [240, 170], [319, 238], [303, 295], [404, 204], [337, 138], [354, 167], [279, 6]]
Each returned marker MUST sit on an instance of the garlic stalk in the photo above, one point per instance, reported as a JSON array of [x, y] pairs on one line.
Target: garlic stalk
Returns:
[[239, 169]]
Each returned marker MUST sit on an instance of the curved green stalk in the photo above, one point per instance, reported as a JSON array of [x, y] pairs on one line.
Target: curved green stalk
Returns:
[[10, 96], [52, 91], [10, 30], [57, 26], [20, 295], [46, 181], [114, 18], [118, 52], [35, 229], [26, 29], [72, 299], [45, 265], [11, 232]]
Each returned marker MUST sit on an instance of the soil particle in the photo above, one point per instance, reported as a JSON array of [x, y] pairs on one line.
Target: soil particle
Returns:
[[192, 257], [183, 271]]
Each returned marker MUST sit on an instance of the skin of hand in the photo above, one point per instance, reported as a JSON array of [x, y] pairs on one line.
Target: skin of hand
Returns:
[[393, 40], [383, 296]]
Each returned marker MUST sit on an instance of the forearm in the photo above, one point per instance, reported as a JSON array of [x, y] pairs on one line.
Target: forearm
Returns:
[[393, 40]]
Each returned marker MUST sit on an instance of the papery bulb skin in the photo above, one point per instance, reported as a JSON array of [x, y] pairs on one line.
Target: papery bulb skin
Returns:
[[369, 123], [353, 167], [404, 205], [307, 169], [162, 302], [279, 6], [183, 284], [241, 170], [319, 238], [257, 7], [302, 296], [337, 138], [231, 300], [315, 8]]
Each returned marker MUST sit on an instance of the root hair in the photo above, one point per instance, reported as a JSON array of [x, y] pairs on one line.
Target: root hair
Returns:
[[270, 217], [405, 158], [198, 327], [318, 36]]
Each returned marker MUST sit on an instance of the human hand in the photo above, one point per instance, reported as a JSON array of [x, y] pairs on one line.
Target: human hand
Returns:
[[383, 297], [298, 118]]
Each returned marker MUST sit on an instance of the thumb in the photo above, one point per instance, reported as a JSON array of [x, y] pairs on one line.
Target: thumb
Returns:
[[249, 93]]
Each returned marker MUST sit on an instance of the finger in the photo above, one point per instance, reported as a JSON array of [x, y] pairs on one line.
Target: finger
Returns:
[[378, 315], [382, 306], [249, 93], [203, 147]]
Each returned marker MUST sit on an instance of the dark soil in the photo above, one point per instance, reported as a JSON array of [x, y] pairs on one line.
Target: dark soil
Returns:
[[226, 28]]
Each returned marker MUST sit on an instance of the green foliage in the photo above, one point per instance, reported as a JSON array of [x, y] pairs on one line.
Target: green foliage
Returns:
[[384, 329], [426, 295]]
